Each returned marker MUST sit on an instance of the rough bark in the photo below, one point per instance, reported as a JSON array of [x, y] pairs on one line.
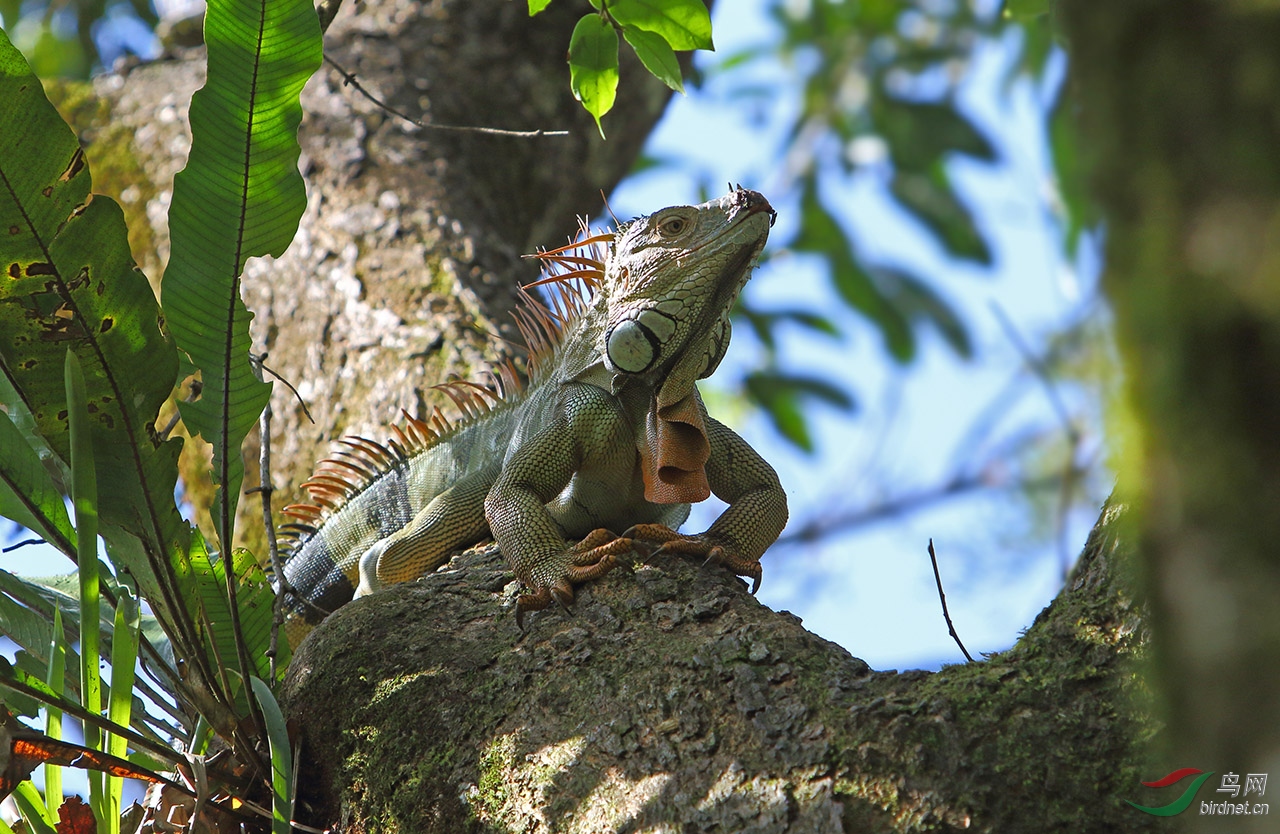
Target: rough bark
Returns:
[[1180, 108], [672, 701]]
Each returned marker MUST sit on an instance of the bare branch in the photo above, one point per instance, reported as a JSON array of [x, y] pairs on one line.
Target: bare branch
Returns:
[[942, 597], [349, 79]]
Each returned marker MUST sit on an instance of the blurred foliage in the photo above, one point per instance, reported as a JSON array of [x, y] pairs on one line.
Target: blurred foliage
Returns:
[[880, 81], [73, 38]]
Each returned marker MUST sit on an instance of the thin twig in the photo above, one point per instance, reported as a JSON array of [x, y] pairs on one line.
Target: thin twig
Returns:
[[959, 485], [262, 363], [349, 78], [22, 543], [1073, 434], [937, 577]]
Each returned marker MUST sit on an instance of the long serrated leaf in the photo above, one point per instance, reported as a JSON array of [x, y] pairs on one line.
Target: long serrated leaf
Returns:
[[593, 65], [656, 55], [71, 284], [255, 601], [239, 196], [684, 24]]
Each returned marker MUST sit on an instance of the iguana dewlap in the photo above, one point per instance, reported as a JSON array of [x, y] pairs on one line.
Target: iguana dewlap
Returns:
[[609, 434]]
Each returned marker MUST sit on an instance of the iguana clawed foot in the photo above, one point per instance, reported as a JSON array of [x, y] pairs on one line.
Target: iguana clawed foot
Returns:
[[589, 559], [712, 549]]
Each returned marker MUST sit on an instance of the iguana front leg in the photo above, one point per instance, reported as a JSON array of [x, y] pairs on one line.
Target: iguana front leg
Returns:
[[586, 428], [756, 514]]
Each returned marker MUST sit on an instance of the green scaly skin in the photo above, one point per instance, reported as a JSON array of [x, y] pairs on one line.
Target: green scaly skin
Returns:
[[610, 435]]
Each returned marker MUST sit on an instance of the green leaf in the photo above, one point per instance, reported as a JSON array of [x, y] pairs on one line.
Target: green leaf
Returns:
[[33, 809], [281, 758], [593, 65], [71, 284], [55, 679], [930, 198], [764, 322], [84, 496], [917, 301], [684, 24], [19, 703], [536, 6], [822, 234], [27, 493], [255, 600], [1080, 212], [656, 55], [1025, 9], [124, 659], [240, 196], [919, 133], [781, 396]]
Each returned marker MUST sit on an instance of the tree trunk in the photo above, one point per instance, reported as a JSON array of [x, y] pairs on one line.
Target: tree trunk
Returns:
[[672, 701], [1180, 107]]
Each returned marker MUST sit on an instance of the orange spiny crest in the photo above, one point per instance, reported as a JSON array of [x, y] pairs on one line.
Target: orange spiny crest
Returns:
[[510, 383], [572, 274], [302, 512], [471, 398]]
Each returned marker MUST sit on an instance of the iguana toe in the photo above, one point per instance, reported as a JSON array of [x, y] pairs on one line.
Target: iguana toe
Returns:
[[713, 550], [588, 560]]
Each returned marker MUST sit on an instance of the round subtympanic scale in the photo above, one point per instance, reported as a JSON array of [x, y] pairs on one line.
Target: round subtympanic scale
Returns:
[[631, 348]]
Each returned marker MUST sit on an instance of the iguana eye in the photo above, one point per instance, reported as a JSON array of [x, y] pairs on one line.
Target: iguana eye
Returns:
[[672, 226]]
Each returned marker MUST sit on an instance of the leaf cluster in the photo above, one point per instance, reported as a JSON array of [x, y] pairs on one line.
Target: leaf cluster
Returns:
[[89, 359], [655, 29]]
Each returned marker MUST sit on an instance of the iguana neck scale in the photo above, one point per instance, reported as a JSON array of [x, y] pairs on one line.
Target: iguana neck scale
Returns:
[[609, 433]]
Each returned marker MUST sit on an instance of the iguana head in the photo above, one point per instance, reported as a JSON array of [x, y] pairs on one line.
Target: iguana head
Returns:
[[669, 282], [657, 321], [663, 322]]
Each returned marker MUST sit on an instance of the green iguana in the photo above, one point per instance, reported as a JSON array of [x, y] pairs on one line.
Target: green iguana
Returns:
[[609, 434]]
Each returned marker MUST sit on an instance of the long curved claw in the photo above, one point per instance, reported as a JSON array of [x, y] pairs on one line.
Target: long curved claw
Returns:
[[587, 560], [535, 601], [712, 550]]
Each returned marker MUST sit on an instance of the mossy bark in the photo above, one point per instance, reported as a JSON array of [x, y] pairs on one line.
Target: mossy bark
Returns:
[[673, 701], [1179, 104]]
